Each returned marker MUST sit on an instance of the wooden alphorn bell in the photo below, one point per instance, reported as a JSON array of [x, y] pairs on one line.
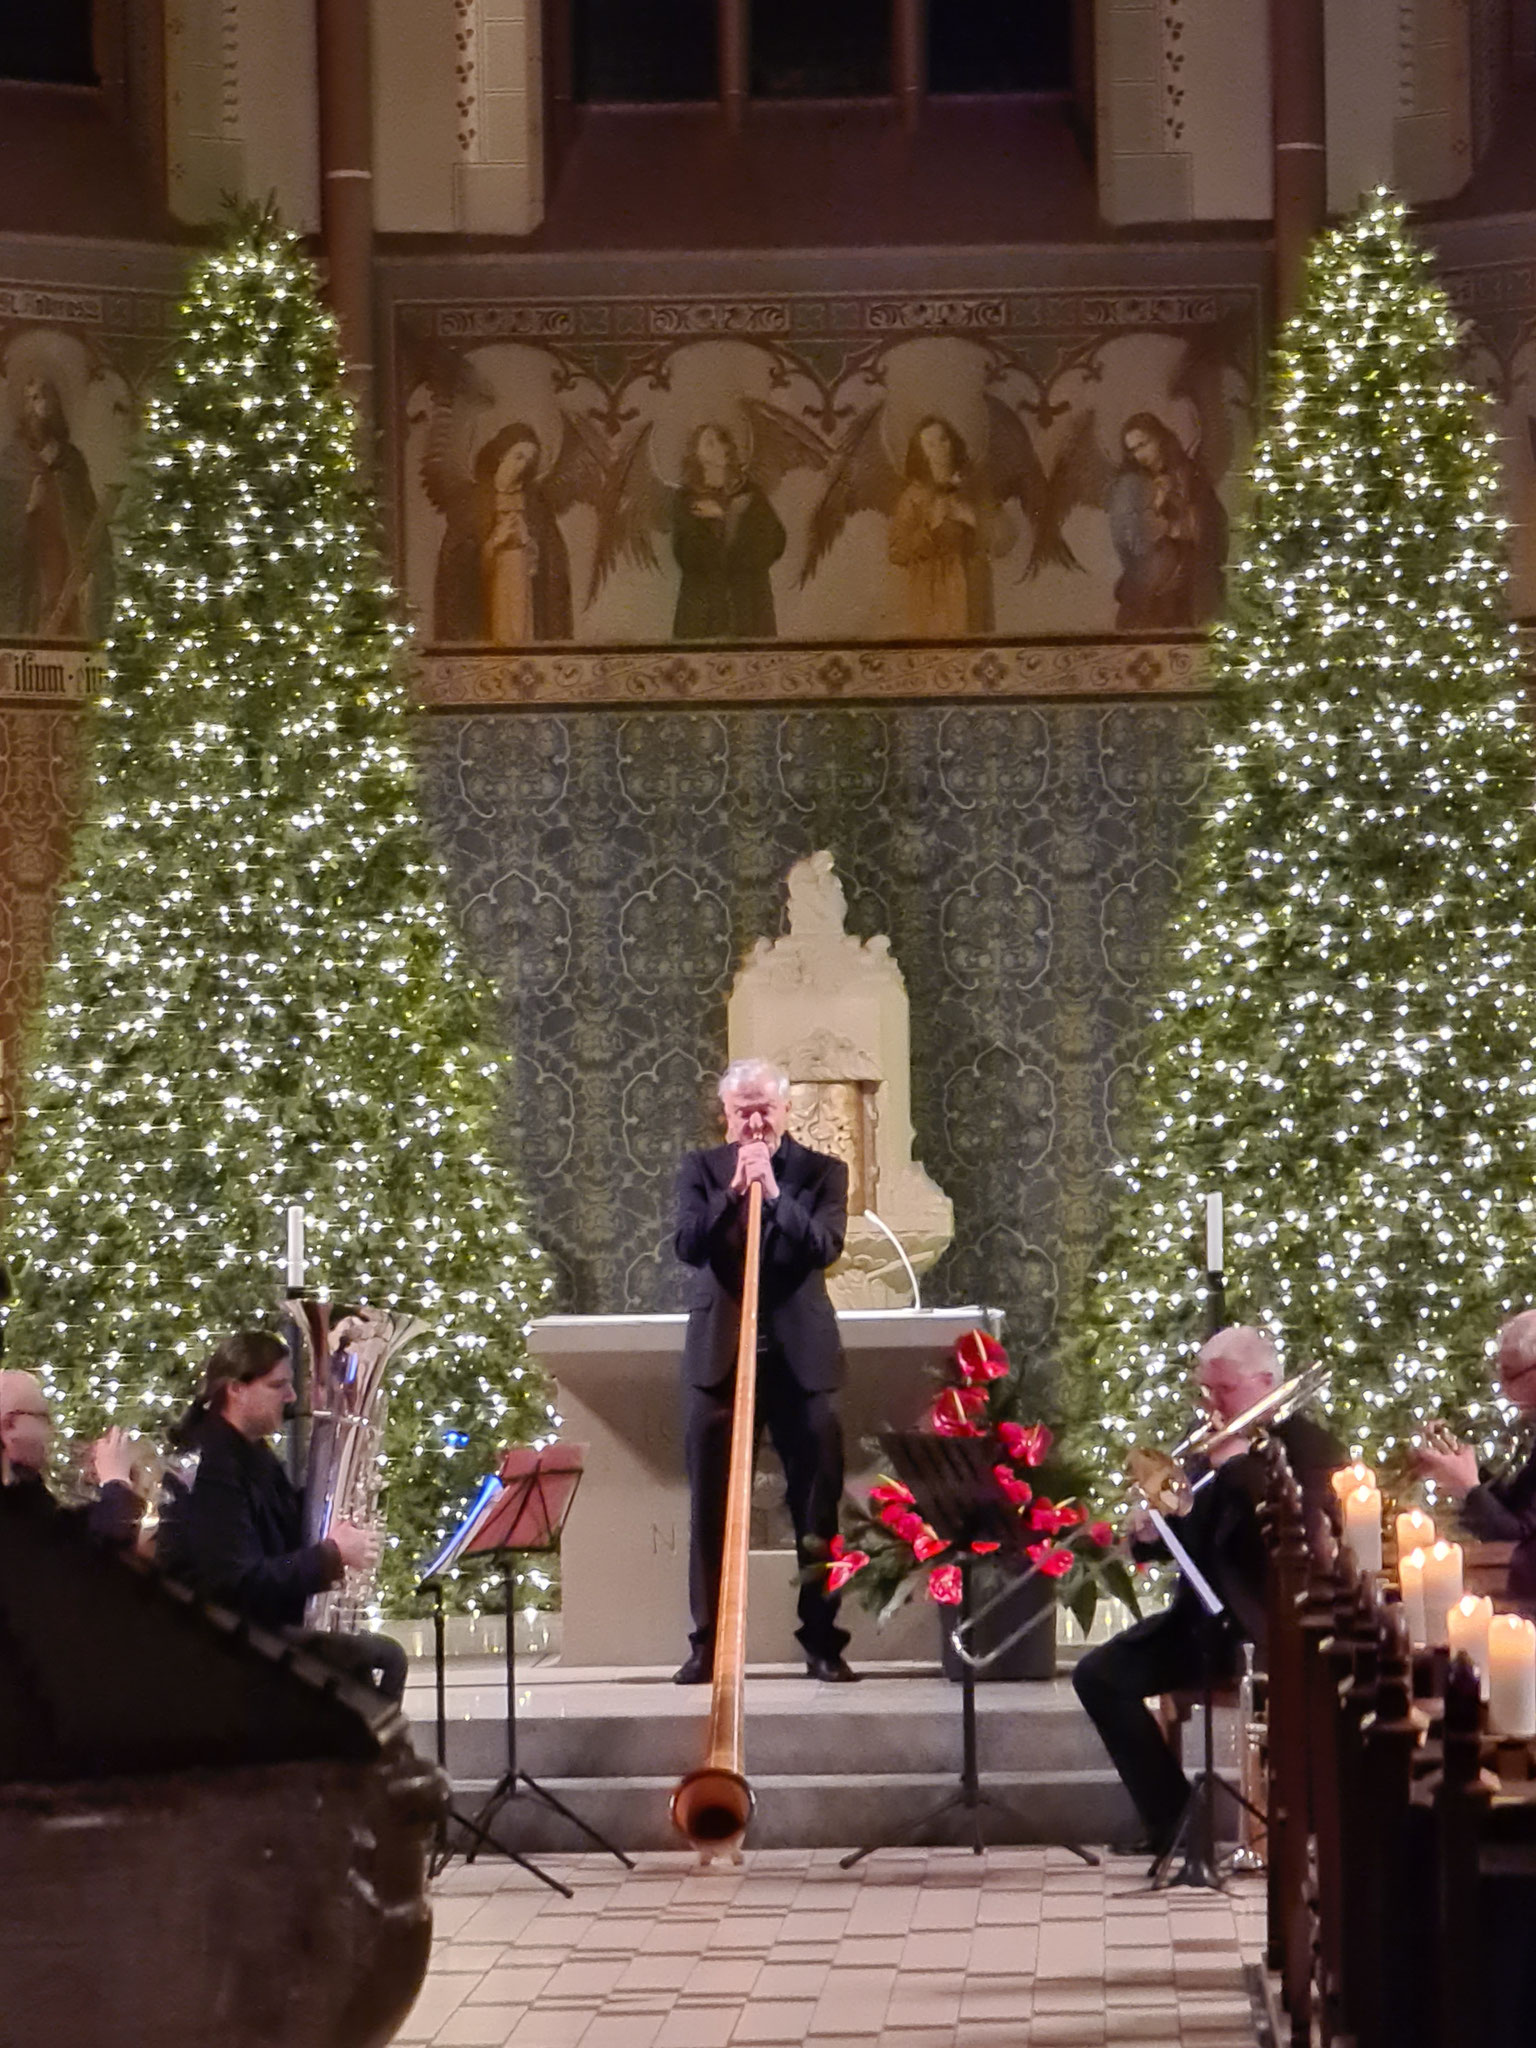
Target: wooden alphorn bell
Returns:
[[713, 1804]]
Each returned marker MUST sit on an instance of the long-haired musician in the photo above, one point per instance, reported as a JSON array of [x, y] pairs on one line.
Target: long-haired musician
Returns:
[[1173, 1650], [1499, 1509], [799, 1353], [237, 1535]]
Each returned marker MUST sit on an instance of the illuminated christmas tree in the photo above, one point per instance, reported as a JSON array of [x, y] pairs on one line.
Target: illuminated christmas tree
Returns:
[[258, 996], [1343, 1042]]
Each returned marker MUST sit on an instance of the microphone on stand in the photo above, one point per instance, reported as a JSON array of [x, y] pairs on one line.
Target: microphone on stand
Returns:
[[886, 1231]]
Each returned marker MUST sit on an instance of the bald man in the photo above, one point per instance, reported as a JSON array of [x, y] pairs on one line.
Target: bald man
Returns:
[[26, 1444], [1172, 1651]]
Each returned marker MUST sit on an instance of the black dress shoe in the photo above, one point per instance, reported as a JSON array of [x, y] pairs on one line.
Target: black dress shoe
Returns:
[[697, 1668], [830, 1670]]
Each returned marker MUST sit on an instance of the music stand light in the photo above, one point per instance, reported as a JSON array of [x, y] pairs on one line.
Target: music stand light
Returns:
[[520, 1512], [952, 1482]]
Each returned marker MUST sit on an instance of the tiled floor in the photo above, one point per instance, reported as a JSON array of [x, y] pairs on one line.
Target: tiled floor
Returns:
[[1022, 1948]]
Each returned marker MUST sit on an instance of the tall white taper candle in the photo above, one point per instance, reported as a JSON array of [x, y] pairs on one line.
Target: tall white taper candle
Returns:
[[295, 1246], [1213, 1246]]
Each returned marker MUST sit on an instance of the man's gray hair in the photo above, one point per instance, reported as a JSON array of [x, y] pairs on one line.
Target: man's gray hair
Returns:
[[1247, 1348], [1517, 1338], [747, 1073]]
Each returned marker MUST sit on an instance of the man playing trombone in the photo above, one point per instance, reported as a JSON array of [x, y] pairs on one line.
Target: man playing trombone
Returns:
[[1177, 1649], [799, 1353]]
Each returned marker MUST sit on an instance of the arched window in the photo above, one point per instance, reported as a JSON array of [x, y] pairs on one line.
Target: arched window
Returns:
[[47, 42], [644, 50], [999, 46], [810, 49]]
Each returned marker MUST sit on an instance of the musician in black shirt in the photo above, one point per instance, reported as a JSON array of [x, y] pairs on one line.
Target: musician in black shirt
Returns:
[[237, 1536], [1172, 1651], [26, 1442]]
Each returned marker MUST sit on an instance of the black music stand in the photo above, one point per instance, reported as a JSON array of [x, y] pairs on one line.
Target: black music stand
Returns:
[[524, 1513], [952, 1482]]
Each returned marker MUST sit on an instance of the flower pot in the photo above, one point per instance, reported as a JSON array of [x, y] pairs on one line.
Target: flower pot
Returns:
[[1034, 1655]]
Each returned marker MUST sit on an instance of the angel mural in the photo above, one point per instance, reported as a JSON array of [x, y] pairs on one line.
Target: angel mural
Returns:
[[948, 511], [503, 574], [55, 549], [1169, 530]]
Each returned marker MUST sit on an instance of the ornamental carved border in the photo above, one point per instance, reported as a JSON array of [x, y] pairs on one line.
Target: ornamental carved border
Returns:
[[778, 675]]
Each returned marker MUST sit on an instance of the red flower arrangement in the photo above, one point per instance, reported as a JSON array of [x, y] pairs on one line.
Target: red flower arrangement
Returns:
[[893, 1550]]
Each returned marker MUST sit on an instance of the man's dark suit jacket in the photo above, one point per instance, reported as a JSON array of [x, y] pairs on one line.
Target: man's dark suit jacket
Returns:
[[802, 1235]]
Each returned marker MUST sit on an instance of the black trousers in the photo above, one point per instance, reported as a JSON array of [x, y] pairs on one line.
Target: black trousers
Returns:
[[372, 1660], [805, 1431], [1165, 1653]]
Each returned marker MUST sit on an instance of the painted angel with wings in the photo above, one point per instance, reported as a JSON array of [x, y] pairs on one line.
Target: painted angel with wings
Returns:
[[503, 574], [948, 510], [724, 532]]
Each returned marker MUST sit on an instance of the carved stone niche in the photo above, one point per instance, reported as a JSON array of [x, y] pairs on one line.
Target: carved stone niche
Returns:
[[832, 1010]]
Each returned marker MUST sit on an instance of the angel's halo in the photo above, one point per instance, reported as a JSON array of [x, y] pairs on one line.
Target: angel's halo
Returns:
[[519, 384], [66, 363], [707, 382], [934, 377]]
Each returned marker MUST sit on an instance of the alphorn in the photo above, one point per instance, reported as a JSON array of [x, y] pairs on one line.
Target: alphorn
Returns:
[[713, 1804]]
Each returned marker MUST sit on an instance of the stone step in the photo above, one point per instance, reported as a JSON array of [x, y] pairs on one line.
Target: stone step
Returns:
[[822, 1810]]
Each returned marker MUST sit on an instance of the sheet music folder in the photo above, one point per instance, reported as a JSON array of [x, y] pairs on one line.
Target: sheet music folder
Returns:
[[521, 1506], [952, 1482]]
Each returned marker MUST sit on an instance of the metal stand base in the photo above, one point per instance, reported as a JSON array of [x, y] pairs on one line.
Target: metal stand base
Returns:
[[513, 1782], [1199, 1868], [969, 1798]]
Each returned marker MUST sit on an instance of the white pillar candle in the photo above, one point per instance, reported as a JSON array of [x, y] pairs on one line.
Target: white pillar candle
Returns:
[[1213, 1246], [1442, 1586], [1512, 1675], [1410, 1578], [1467, 1626], [1415, 1531], [1362, 1526], [1348, 1477], [295, 1246]]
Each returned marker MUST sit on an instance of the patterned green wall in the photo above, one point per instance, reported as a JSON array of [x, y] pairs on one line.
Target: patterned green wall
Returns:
[[614, 867]]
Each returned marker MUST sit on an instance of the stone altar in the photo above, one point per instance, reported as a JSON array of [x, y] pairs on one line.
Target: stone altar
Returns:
[[624, 1553]]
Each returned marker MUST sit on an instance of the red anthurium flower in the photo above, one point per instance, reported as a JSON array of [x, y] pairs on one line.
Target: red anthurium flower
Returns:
[[944, 1584], [1019, 1491], [1102, 1533], [1069, 1514], [929, 1544], [904, 1523], [1047, 1517], [982, 1547], [1028, 1442], [955, 1411], [845, 1563], [1050, 1559], [979, 1357], [890, 1493]]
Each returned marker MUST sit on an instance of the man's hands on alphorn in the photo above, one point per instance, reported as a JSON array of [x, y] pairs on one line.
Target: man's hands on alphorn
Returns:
[[754, 1162]]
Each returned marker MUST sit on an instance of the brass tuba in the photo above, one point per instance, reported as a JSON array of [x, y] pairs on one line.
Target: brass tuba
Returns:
[[348, 1373]]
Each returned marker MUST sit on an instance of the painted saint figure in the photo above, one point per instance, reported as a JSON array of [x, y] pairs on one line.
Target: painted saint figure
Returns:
[[1169, 529], [726, 537], [503, 573], [55, 560], [943, 532]]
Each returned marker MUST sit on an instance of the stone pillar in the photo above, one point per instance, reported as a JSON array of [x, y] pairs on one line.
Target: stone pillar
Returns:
[[1298, 76], [344, 54], [499, 183], [241, 108], [909, 57]]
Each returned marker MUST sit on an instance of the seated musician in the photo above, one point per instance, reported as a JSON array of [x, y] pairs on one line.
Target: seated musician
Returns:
[[1173, 1651], [237, 1535], [26, 1443], [1499, 1510], [799, 1352]]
